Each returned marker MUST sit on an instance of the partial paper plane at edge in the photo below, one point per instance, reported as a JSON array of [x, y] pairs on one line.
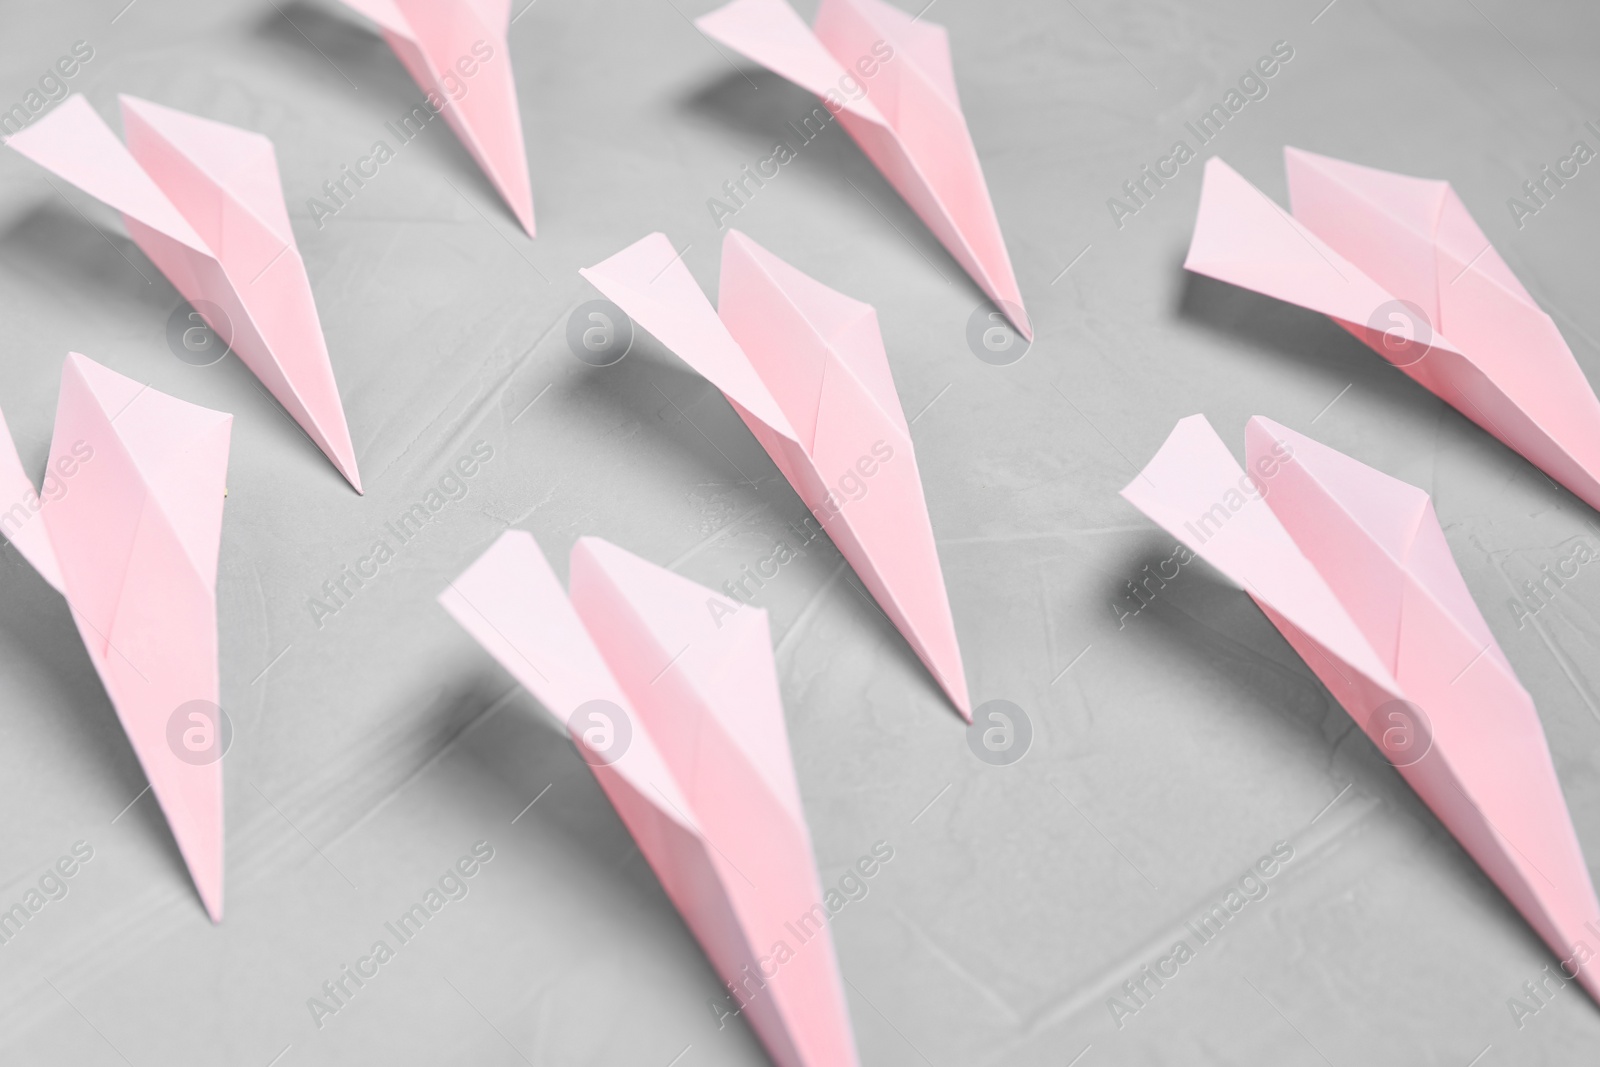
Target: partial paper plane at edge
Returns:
[[804, 366], [127, 529], [693, 753], [1353, 569], [1398, 262], [889, 80], [457, 52], [202, 200]]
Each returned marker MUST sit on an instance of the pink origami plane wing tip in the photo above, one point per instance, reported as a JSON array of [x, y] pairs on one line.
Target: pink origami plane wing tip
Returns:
[[523, 210], [346, 465], [1019, 318], [211, 897], [962, 702]]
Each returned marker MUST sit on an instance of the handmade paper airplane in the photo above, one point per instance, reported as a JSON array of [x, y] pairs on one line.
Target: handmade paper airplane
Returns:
[[804, 367], [1399, 263], [888, 79], [456, 52], [126, 526], [1352, 568], [202, 200], [671, 693]]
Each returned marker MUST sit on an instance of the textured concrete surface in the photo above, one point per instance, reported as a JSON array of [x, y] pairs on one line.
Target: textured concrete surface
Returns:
[[1169, 753]]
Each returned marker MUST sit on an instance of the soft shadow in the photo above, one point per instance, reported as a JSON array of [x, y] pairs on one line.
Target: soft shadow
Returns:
[[342, 53], [1293, 335], [529, 756], [686, 415], [762, 116], [347, 57], [1269, 325], [671, 403], [54, 247], [1192, 619], [36, 623]]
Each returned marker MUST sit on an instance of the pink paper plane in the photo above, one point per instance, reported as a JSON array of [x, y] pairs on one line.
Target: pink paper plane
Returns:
[[671, 693], [456, 52], [202, 200], [804, 366], [1352, 568], [1399, 263], [126, 526], [888, 79]]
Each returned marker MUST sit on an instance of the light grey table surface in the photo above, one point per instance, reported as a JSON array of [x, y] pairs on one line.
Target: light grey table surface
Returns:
[[376, 748]]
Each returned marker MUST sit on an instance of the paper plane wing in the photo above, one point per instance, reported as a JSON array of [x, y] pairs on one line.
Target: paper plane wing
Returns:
[[136, 530], [771, 33], [1352, 567], [822, 356], [456, 51], [224, 181], [649, 282], [74, 143], [718, 814], [202, 201], [905, 115], [1480, 345]]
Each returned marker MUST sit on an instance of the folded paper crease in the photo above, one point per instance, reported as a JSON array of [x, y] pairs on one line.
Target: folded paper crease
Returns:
[[202, 200], [805, 368], [127, 528], [1353, 569], [705, 781], [1398, 262], [458, 54], [888, 78]]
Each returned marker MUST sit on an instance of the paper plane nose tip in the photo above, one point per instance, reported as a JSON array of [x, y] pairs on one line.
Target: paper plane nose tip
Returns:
[[956, 692], [212, 899], [1017, 315], [347, 467]]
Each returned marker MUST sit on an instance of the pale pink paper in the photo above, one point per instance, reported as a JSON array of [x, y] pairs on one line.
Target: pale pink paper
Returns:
[[1362, 240], [908, 122], [804, 366], [437, 38], [706, 785], [1353, 569], [202, 200], [131, 542]]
